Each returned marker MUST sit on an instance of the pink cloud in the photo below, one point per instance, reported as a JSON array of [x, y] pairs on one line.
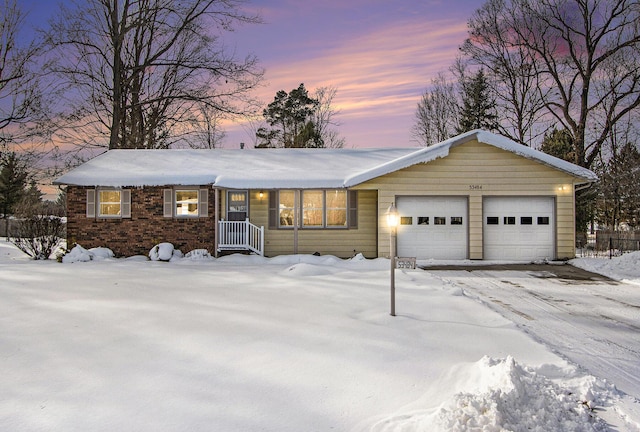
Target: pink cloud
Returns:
[[379, 75]]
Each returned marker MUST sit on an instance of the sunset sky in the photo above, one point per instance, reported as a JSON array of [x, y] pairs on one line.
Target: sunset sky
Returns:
[[379, 54]]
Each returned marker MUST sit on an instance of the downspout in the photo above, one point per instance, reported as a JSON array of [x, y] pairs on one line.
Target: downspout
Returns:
[[582, 186]]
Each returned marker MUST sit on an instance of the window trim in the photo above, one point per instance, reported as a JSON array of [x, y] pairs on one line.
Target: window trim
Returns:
[[170, 202], [351, 210], [93, 203]]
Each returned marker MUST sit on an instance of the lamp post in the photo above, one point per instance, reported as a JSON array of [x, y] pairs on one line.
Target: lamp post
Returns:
[[392, 222]]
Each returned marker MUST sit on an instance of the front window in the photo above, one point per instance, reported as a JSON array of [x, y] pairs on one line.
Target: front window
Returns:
[[186, 203], [336, 208], [313, 208], [109, 203], [316, 208], [287, 208]]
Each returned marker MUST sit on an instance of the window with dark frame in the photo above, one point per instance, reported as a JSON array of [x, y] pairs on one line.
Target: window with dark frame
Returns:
[[456, 220], [543, 220], [423, 220], [526, 220], [509, 220], [439, 220], [493, 220]]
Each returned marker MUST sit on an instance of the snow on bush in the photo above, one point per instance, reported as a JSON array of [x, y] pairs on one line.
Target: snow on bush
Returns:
[[198, 254], [161, 252], [101, 253], [80, 254]]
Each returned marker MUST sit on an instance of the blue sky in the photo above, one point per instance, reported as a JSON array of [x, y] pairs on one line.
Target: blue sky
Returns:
[[380, 55]]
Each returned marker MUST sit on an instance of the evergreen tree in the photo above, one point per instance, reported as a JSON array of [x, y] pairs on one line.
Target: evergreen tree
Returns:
[[478, 107], [619, 195], [13, 178], [559, 143], [290, 116], [31, 199]]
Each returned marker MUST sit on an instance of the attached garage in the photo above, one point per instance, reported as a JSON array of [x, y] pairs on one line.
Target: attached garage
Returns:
[[433, 227], [519, 228]]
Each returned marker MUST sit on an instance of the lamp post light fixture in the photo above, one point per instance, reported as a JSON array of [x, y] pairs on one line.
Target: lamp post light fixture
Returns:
[[393, 218]]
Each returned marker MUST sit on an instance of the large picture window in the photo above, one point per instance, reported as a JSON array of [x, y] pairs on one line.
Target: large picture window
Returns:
[[317, 208]]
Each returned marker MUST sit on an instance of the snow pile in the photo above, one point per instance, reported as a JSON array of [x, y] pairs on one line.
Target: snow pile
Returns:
[[500, 395], [198, 255], [80, 254], [625, 267]]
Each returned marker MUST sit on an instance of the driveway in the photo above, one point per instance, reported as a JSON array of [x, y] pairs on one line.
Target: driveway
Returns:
[[560, 271], [587, 318]]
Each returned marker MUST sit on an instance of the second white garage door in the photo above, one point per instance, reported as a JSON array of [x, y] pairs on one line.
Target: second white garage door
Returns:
[[433, 227], [518, 228]]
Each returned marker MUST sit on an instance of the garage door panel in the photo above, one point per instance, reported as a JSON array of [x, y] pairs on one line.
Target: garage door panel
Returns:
[[518, 228], [428, 231]]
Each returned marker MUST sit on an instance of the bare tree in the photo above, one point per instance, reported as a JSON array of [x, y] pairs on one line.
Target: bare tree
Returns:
[[324, 117], [573, 45], [136, 70], [205, 129], [20, 98], [511, 68], [437, 112]]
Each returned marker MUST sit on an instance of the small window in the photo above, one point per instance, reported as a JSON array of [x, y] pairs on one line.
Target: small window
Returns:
[[109, 203], [526, 220], [543, 220], [186, 202], [423, 220], [406, 220], [493, 220], [456, 220], [509, 220], [439, 220]]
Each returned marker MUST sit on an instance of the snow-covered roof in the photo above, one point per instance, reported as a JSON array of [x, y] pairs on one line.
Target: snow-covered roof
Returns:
[[279, 168]]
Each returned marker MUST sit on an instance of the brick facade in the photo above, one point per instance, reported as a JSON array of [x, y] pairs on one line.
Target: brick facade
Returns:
[[146, 227]]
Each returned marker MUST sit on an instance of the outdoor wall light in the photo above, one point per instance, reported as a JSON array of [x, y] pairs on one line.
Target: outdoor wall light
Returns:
[[261, 194]]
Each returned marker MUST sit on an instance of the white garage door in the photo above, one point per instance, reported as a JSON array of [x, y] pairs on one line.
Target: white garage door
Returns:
[[518, 228], [432, 227]]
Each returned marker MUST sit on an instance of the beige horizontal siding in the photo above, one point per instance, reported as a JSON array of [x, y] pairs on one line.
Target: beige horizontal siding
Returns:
[[339, 242], [477, 170]]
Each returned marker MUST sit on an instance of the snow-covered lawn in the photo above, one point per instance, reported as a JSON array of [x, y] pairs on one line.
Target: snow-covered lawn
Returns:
[[296, 343]]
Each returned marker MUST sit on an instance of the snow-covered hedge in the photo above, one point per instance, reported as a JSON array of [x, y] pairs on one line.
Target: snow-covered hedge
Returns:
[[80, 254]]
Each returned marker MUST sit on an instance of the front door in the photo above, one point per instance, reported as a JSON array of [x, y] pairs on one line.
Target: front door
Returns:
[[237, 205]]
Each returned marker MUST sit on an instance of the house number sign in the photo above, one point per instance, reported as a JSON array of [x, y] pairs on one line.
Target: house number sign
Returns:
[[406, 262], [475, 187]]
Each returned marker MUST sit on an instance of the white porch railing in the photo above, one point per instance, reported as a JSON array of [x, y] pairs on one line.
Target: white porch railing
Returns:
[[240, 235]]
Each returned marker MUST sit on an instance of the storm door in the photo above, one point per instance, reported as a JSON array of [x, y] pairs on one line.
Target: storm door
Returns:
[[237, 205]]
